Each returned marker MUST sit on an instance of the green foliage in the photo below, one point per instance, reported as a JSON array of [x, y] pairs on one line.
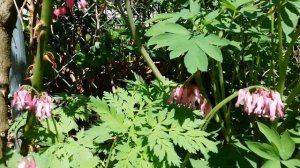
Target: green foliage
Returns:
[[289, 13], [180, 41], [280, 151], [148, 133], [134, 127], [199, 163], [76, 153]]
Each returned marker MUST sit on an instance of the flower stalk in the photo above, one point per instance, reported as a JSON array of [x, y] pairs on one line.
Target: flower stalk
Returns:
[[283, 62], [137, 40], [42, 30]]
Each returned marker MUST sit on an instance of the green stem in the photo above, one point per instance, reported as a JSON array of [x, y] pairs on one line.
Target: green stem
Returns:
[[221, 104], [110, 152], [293, 94], [201, 87], [45, 22], [138, 42], [26, 141], [221, 80], [186, 159], [37, 83], [55, 127], [219, 119], [283, 62], [271, 75], [225, 111], [190, 78]]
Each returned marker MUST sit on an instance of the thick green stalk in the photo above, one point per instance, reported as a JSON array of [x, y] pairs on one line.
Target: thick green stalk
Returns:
[[217, 99], [288, 102], [283, 64], [293, 94], [221, 78], [138, 42], [225, 111], [280, 86], [42, 32], [271, 72]]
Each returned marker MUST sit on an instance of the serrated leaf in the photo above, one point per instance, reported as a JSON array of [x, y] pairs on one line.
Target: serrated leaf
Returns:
[[199, 163], [213, 51], [93, 162], [127, 155], [163, 148], [271, 164], [66, 123], [263, 150], [195, 59], [191, 138], [96, 134], [271, 135], [161, 28], [173, 158], [98, 106], [287, 146]]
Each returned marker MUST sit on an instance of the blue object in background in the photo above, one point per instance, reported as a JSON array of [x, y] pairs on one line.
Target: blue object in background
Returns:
[[17, 70]]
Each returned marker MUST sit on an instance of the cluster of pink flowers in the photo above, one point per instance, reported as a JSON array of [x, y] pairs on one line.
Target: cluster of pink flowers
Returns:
[[190, 97], [27, 162], [61, 11], [263, 103], [23, 100]]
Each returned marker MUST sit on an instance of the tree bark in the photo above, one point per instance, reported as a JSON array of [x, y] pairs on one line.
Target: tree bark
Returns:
[[8, 17]]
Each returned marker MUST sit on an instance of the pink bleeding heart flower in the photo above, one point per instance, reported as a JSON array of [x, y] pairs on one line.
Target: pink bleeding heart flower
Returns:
[[39, 104], [70, 3], [206, 107], [60, 11], [263, 103], [27, 162], [83, 4], [241, 97], [20, 99], [63, 11], [56, 12], [259, 105], [43, 106], [190, 97]]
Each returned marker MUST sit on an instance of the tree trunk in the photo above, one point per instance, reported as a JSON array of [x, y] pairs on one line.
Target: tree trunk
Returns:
[[8, 17]]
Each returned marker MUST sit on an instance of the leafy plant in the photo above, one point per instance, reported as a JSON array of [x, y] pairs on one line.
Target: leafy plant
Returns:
[[195, 45], [146, 133], [278, 151]]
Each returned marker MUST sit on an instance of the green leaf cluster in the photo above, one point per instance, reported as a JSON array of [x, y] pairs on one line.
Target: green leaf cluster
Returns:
[[196, 46], [147, 132], [278, 151]]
